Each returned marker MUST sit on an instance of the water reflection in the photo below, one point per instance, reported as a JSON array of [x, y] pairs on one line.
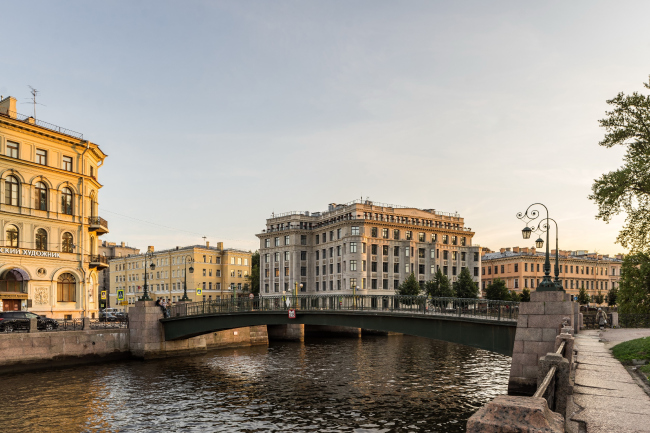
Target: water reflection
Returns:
[[374, 384]]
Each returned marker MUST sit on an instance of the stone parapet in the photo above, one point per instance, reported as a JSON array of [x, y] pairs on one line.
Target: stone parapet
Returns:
[[511, 414]]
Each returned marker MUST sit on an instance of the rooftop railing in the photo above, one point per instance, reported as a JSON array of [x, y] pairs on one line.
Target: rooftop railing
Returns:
[[32, 121]]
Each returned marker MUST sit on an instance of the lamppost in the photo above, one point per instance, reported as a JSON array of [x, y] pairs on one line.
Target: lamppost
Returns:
[[190, 260], [147, 255], [546, 285], [295, 297]]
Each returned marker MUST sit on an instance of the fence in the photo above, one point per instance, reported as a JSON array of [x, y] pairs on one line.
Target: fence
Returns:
[[634, 320], [477, 308]]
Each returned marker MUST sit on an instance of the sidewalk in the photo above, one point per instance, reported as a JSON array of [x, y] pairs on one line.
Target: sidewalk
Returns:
[[606, 398]]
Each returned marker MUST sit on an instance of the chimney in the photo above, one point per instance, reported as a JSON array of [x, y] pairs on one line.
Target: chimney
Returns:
[[507, 249], [503, 250], [207, 244], [220, 246], [515, 249], [122, 244], [150, 248], [524, 250], [532, 251], [8, 107]]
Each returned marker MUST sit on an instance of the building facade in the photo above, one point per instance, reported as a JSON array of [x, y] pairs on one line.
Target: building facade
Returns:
[[110, 250], [220, 273], [362, 247], [523, 268], [48, 215]]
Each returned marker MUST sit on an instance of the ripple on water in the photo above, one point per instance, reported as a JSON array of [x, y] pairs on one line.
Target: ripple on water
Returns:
[[373, 385]]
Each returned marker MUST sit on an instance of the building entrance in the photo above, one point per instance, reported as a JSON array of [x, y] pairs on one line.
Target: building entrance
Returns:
[[10, 304]]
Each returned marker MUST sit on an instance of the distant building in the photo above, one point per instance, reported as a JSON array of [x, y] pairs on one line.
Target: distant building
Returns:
[[220, 273], [110, 250], [362, 247], [48, 215], [523, 268]]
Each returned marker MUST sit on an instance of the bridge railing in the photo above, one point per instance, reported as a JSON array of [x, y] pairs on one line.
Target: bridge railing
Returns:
[[460, 307]]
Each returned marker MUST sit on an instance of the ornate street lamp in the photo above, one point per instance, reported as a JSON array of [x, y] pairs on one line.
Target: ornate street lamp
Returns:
[[145, 294], [190, 260], [543, 226]]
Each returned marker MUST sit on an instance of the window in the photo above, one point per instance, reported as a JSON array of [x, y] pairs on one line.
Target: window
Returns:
[[516, 267], [463, 256], [303, 255], [384, 250], [286, 256], [353, 283], [353, 265], [355, 231], [454, 240], [277, 257], [65, 287], [433, 254], [331, 235], [303, 239], [266, 257], [276, 242], [396, 234], [434, 237], [338, 233], [338, 251], [384, 233], [353, 247], [41, 156], [445, 255], [41, 240], [444, 270], [373, 266], [421, 269], [396, 267], [421, 253], [286, 271], [503, 271], [11, 191], [406, 251], [373, 232], [40, 201], [453, 270], [317, 254], [267, 243], [454, 255], [409, 235], [277, 272], [476, 257], [11, 236], [324, 237], [385, 266], [66, 201], [396, 251], [421, 237], [12, 149], [286, 240], [476, 271], [338, 268], [67, 163], [373, 284]]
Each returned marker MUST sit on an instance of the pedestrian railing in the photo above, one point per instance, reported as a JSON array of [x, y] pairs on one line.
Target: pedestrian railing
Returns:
[[102, 324], [459, 307], [589, 321], [547, 388], [634, 320]]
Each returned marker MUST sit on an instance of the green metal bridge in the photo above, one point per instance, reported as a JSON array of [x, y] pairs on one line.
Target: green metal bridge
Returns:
[[480, 323]]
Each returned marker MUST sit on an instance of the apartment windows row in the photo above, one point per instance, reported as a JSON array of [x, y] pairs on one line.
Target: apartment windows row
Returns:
[[40, 242], [286, 288], [13, 151], [535, 267], [41, 196]]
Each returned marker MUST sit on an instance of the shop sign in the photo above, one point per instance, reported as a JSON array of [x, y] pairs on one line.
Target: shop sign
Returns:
[[13, 296], [32, 253]]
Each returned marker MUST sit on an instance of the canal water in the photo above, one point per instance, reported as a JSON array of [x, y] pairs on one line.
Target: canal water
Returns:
[[374, 384]]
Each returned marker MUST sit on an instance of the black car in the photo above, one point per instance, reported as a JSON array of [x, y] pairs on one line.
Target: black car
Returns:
[[19, 320], [122, 317], [107, 317]]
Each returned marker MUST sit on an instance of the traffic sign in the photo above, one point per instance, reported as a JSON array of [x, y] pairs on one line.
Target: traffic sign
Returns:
[[292, 313], [120, 295], [251, 296], [199, 291], [124, 303], [103, 295]]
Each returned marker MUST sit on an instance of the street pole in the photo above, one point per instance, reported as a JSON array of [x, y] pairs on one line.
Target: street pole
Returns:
[[189, 259], [145, 295]]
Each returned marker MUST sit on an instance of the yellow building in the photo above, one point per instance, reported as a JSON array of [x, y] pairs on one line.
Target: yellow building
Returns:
[[217, 272], [48, 215]]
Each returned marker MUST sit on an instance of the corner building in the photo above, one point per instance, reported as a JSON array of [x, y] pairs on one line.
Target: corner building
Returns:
[[48, 215], [362, 247], [220, 273]]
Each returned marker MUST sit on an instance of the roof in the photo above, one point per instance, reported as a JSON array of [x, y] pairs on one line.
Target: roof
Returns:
[[507, 254]]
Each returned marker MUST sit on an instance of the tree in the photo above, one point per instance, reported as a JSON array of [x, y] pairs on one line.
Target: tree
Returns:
[[525, 295], [466, 287], [497, 291], [599, 298], [514, 296], [410, 287], [628, 188], [254, 277], [439, 287], [634, 288], [583, 297], [611, 297]]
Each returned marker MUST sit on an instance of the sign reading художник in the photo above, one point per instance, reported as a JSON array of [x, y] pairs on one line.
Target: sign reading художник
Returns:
[[33, 253]]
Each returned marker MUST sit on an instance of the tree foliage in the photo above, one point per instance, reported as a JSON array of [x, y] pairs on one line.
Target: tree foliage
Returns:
[[466, 287], [599, 298], [254, 277], [514, 296], [634, 288], [583, 297], [410, 287], [497, 290], [628, 188], [612, 296], [525, 295], [439, 287]]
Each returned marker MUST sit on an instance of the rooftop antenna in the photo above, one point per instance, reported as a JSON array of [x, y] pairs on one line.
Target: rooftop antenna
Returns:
[[204, 239], [34, 93]]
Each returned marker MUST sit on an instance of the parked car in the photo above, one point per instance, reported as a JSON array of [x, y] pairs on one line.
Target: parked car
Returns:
[[107, 317], [122, 317], [19, 320]]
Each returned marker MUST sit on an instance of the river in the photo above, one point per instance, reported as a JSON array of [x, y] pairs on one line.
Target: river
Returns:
[[374, 384]]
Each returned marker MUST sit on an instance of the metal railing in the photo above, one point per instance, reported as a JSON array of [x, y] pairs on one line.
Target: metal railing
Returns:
[[589, 321], [547, 388], [42, 124], [634, 320], [98, 259], [98, 221], [457, 307]]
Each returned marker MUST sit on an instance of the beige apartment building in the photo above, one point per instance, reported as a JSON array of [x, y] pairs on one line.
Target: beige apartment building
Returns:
[[48, 214], [110, 250], [220, 273], [523, 268], [362, 247]]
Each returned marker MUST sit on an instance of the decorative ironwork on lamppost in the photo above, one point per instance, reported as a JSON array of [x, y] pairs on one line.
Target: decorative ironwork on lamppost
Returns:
[[547, 285], [190, 260], [145, 294]]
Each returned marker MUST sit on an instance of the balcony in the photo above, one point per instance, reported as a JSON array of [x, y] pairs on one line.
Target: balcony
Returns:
[[99, 262], [98, 224]]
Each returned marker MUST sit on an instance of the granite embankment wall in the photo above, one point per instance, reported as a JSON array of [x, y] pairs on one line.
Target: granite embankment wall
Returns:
[[37, 350]]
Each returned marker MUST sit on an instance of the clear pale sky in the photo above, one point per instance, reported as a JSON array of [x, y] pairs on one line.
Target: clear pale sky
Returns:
[[216, 113]]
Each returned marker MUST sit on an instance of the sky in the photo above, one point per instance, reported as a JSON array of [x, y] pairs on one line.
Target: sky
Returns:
[[215, 114]]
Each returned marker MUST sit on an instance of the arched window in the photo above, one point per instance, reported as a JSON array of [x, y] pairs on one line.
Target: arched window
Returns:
[[41, 196], [66, 288], [66, 201], [11, 239], [11, 191], [41, 239], [68, 246]]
